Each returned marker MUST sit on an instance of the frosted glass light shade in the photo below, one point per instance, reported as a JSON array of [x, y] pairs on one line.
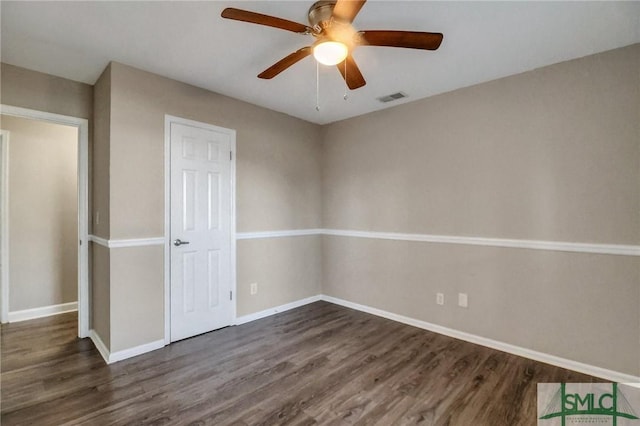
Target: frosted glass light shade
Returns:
[[330, 52]]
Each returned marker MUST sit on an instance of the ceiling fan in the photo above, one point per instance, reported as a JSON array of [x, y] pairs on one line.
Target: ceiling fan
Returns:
[[330, 23]]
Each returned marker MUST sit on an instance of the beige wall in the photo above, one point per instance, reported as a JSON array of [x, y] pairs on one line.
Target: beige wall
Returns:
[[278, 177], [285, 269], [278, 187], [101, 155], [43, 213], [135, 296], [43, 92], [100, 256], [552, 154], [577, 306], [101, 292]]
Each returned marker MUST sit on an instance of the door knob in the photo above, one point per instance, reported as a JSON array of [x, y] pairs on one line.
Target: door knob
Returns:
[[178, 242]]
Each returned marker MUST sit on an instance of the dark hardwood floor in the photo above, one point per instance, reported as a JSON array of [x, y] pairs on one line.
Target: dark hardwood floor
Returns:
[[319, 364]]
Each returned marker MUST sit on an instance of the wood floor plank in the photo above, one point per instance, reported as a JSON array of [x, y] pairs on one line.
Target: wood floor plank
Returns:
[[320, 364]]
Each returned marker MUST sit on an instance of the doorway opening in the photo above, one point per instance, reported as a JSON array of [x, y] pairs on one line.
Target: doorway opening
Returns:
[[61, 260]]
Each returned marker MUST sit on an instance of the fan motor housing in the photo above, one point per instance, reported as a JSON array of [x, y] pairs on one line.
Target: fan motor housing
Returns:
[[320, 13]]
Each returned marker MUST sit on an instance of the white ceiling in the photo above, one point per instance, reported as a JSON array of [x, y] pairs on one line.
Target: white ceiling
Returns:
[[190, 42]]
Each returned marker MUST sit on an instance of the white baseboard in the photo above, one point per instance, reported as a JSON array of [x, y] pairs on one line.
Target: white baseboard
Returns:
[[44, 311], [135, 351], [110, 357], [272, 311], [592, 370], [99, 344]]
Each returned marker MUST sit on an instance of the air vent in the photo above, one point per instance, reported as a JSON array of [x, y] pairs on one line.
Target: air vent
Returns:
[[393, 97]]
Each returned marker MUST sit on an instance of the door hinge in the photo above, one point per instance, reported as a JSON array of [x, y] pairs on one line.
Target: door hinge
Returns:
[[231, 295], [230, 155], [80, 242]]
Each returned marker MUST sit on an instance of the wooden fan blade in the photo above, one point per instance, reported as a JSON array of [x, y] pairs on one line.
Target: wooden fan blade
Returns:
[[269, 21], [285, 63], [353, 75], [410, 39], [346, 10]]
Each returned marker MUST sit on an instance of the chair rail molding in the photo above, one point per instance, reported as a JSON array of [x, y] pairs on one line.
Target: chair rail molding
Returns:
[[129, 242], [565, 246]]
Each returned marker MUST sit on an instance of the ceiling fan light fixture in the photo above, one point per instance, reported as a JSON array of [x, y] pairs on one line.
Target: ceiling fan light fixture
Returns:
[[330, 52], [330, 23]]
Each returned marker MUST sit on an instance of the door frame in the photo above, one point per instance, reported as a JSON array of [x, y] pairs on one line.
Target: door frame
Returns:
[[168, 119], [4, 226], [82, 124]]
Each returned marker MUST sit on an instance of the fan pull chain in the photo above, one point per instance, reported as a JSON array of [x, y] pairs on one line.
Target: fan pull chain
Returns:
[[345, 97], [317, 86]]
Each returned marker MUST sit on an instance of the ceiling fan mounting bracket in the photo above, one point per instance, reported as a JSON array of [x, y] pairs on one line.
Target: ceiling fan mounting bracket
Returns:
[[320, 13]]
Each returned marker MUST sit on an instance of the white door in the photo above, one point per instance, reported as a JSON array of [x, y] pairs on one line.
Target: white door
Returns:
[[201, 220]]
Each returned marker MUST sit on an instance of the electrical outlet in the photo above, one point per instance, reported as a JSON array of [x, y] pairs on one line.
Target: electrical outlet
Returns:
[[440, 298], [463, 300], [254, 288]]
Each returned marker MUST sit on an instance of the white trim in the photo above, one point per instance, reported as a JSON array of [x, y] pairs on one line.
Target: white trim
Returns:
[[99, 240], [167, 230], [278, 234], [83, 228], [596, 248], [99, 344], [82, 124], [276, 310], [490, 343], [233, 232], [44, 311], [614, 249], [135, 351], [136, 242], [168, 119], [4, 226], [131, 242], [111, 357]]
